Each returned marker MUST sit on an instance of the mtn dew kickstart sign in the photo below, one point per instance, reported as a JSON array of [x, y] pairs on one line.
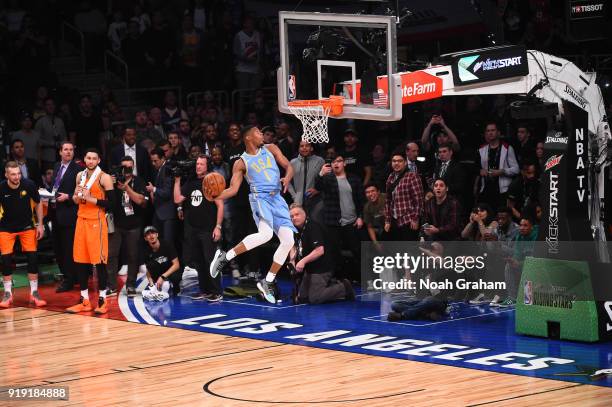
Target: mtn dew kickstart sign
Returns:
[[489, 64]]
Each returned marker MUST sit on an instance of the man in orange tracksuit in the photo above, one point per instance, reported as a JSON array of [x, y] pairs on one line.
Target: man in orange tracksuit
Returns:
[[91, 232], [16, 197]]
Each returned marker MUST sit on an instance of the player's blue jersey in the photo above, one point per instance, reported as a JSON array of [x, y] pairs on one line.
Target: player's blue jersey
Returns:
[[262, 173]]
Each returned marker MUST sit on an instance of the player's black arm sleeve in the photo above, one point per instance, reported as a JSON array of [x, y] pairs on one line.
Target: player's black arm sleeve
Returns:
[[107, 203]]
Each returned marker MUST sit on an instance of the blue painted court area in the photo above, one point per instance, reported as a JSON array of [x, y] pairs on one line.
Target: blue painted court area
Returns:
[[474, 337]]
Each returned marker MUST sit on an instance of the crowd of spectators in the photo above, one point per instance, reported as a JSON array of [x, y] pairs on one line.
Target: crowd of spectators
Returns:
[[458, 169]]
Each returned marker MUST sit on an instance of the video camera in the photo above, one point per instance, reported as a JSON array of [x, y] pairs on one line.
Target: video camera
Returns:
[[120, 173], [182, 168]]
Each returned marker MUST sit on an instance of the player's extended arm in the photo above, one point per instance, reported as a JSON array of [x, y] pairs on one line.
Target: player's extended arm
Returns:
[[237, 176], [283, 162]]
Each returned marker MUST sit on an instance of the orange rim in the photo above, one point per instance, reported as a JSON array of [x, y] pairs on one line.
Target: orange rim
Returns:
[[334, 103]]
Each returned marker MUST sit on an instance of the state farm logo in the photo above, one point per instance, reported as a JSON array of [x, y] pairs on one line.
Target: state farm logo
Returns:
[[552, 162], [419, 86]]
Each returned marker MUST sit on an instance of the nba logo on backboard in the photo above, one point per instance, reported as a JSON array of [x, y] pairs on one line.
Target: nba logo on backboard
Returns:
[[291, 87], [528, 293]]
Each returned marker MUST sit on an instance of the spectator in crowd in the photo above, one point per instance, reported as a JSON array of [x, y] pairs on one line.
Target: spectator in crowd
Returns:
[[52, 131], [92, 23], [28, 166], [140, 157], [63, 214], [143, 130], [160, 194], [31, 138], [525, 144], [47, 180], [155, 116], [269, 135], [159, 45], [523, 247], [86, 128], [441, 215], [414, 165], [171, 114], [450, 171], [404, 203], [202, 221], [539, 155], [166, 148], [141, 17], [210, 138], [117, 31], [184, 132], [357, 161], [437, 133], [285, 140], [161, 262], [524, 191], [133, 52], [313, 264], [498, 166], [507, 229], [306, 166], [129, 218], [380, 166], [374, 213], [178, 151], [191, 45], [194, 151], [248, 50], [342, 212]]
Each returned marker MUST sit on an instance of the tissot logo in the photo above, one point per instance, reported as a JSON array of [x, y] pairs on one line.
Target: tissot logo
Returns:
[[552, 162], [588, 8]]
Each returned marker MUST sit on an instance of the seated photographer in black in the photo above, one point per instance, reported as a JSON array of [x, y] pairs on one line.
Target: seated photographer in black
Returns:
[[129, 217], [311, 260], [432, 306], [162, 263]]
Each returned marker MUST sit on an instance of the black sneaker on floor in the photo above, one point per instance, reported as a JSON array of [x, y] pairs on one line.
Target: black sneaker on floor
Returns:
[[214, 297], [131, 292], [394, 316], [348, 289], [219, 261]]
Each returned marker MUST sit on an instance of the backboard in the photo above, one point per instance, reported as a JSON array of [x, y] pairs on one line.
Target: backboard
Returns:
[[351, 55]]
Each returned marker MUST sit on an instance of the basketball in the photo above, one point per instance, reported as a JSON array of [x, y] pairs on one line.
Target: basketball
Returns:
[[213, 185]]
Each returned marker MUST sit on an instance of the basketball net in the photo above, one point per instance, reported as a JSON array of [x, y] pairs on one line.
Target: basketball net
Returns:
[[314, 115]]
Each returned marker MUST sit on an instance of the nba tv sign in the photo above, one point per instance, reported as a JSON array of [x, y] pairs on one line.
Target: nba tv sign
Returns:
[[489, 64]]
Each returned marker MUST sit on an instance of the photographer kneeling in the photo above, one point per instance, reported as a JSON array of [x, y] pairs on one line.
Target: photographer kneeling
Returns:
[[310, 257], [128, 216]]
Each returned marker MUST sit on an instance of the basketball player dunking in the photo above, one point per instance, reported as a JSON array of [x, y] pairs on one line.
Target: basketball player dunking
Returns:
[[270, 211]]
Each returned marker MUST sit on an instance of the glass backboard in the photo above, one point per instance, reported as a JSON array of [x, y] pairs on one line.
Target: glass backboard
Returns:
[[350, 55]]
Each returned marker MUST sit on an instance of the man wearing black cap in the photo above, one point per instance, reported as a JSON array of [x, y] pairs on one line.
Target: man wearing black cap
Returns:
[[357, 161], [161, 261]]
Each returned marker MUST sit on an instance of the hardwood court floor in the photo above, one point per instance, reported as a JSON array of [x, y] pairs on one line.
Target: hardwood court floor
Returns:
[[115, 363]]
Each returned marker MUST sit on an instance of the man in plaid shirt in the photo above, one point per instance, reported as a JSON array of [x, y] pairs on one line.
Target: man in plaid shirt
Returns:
[[404, 200]]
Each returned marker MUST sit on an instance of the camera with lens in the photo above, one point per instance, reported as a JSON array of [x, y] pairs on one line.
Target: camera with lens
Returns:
[[120, 173], [182, 168]]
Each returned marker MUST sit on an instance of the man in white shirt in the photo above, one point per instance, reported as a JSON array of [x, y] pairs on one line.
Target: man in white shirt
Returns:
[[248, 50]]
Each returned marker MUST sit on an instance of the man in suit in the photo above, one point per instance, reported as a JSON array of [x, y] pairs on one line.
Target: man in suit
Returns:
[[450, 171], [142, 165], [28, 166], [161, 194], [63, 214]]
